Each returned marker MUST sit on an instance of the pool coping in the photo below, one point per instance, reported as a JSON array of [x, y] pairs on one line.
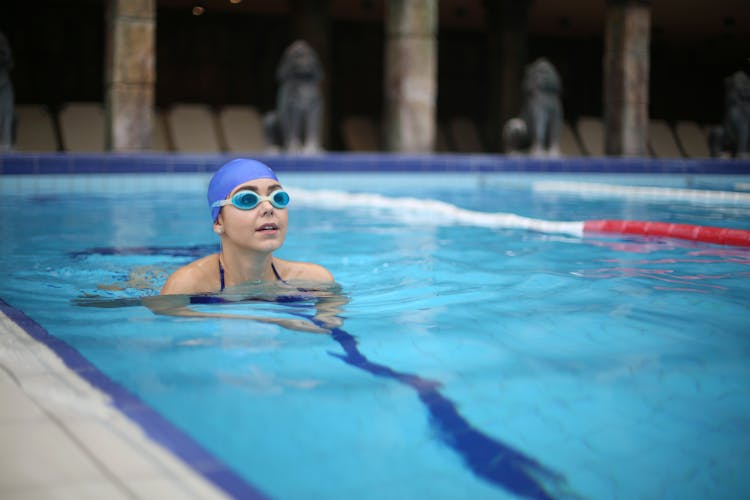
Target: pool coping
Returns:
[[172, 163]]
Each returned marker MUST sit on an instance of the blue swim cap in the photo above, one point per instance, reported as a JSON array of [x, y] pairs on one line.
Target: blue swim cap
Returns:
[[231, 175]]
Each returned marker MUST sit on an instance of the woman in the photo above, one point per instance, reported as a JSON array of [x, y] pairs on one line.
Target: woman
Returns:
[[248, 208]]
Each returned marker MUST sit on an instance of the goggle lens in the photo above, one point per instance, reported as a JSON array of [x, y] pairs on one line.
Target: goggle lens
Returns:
[[279, 199]]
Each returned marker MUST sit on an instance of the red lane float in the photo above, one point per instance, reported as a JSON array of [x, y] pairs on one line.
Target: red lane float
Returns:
[[708, 234]]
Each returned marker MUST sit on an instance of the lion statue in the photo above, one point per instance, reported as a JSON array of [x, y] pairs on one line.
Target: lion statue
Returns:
[[294, 127], [7, 111], [731, 138], [538, 128]]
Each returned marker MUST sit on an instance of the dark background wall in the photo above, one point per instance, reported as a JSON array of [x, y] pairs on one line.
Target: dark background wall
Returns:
[[224, 57]]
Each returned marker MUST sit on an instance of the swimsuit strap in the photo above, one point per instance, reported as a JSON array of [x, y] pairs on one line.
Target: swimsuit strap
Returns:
[[278, 276], [221, 274]]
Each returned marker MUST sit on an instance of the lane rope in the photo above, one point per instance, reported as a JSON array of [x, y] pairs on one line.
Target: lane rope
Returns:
[[434, 212], [706, 234], [592, 189]]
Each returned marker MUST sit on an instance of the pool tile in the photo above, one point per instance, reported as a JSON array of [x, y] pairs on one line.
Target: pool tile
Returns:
[[25, 164], [67, 396], [19, 353], [82, 490], [122, 456], [148, 470], [136, 164], [61, 163], [61, 438], [167, 490], [16, 406], [40, 453], [89, 164]]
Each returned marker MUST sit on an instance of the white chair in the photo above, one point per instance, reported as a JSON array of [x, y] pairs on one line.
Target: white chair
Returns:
[[693, 139], [591, 132], [160, 135], [441, 139], [82, 127], [568, 141], [242, 128], [193, 128], [360, 133], [661, 140], [36, 129], [465, 135]]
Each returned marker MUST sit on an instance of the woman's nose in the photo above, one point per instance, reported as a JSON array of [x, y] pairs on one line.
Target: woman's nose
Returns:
[[265, 207]]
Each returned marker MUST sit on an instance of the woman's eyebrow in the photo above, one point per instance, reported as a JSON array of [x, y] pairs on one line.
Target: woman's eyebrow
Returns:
[[269, 189]]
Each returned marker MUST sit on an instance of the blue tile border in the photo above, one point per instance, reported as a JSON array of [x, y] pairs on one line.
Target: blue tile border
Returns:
[[155, 426], [137, 163]]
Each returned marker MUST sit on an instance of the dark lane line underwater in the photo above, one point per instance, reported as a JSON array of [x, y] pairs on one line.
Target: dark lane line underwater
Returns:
[[486, 457]]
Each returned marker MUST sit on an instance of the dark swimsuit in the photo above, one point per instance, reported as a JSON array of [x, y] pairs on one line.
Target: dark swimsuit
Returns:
[[213, 299]]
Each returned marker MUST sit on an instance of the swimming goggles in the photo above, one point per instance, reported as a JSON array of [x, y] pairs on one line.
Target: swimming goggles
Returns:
[[247, 200]]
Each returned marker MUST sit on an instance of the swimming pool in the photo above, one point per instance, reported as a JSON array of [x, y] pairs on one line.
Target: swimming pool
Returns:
[[473, 360]]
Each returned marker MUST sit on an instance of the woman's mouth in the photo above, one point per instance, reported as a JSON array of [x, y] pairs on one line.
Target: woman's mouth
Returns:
[[267, 227]]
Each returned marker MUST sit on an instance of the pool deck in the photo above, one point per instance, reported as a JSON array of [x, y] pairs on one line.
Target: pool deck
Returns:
[[62, 438]]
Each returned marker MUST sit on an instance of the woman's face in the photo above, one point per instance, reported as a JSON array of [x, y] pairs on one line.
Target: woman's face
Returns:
[[262, 228]]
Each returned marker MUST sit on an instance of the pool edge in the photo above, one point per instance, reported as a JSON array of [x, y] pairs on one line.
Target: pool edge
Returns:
[[103, 401], [19, 163]]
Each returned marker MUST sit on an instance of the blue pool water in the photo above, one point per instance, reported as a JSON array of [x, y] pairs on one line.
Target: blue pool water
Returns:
[[472, 361]]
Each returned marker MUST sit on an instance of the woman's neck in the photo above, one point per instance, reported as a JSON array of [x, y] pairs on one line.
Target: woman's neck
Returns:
[[242, 266]]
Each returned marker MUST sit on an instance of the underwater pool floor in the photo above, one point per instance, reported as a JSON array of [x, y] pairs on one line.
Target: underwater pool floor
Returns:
[[61, 438]]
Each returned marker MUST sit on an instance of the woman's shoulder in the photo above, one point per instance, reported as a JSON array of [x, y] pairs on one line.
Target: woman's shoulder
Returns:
[[307, 271], [200, 276]]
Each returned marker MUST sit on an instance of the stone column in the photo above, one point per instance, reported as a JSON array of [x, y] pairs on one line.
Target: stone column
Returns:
[[506, 44], [410, 81], [130, 74], [310, 22], [626, 76]]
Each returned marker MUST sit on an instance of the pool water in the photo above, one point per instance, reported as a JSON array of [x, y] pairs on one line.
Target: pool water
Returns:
[[471, 362]]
